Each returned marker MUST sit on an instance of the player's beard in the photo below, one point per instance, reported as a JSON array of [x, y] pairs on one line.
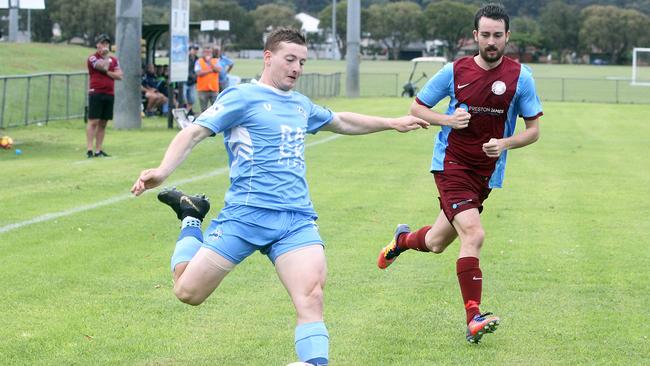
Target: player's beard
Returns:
[[490, 59]]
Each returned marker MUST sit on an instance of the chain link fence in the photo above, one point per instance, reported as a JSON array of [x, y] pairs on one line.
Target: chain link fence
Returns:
[[40, 98]]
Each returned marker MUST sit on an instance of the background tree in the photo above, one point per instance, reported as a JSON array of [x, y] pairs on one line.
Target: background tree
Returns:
[[85, 19], [525, 33], [559, 27], [241, 34], [450, 22], [612, 30], [42, 22], [271, 16], [325, 17], [395, 25]]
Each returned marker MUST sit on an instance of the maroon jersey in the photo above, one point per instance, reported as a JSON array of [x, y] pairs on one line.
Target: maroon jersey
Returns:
[[494, 98], [101, 83]]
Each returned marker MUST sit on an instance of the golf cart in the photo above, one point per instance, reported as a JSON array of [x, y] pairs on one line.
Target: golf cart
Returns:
[[411, 88]]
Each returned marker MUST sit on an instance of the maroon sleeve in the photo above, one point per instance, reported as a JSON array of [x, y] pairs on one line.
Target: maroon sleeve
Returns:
[[418, 101]]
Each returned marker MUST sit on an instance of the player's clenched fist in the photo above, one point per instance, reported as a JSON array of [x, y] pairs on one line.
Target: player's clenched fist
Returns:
[[460, 119], [493, 148]]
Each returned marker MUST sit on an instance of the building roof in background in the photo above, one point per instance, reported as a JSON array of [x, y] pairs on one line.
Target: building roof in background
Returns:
[[309, 23]]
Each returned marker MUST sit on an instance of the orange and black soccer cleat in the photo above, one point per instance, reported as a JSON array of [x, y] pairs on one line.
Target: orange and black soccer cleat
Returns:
[[390, 252], [481, 324]]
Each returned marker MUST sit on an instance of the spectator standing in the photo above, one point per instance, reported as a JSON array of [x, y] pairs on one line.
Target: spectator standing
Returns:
[[207, 78], [226, 65], [103, 70], [189, 89]]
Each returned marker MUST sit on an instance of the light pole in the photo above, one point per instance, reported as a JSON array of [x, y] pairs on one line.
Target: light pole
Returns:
[[128, 32], [334, 42], [352, 54]]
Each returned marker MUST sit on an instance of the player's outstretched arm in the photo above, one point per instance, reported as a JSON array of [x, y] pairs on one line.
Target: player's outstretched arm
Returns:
[[458, 120], [348, 123], [495, 147], [178, 150]]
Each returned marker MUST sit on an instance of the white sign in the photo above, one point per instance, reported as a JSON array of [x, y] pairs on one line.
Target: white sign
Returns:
[[179, 30], [223, 25], [210, 25], [23, 4]]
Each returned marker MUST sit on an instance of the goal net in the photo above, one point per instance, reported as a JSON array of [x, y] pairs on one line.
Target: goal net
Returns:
[[641, 66]]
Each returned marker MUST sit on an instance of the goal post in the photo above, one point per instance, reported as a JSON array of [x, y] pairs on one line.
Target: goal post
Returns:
[[640, 66]]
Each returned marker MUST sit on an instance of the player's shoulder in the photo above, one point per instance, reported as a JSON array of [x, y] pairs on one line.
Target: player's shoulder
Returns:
[[526, 71], [460, 63], [526, 74]]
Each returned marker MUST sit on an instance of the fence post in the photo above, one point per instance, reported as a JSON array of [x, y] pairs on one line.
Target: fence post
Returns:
[[49, 91], [396, 85], [67, 96], [616, 91], [29, 85], [563, 89], [4, 98]]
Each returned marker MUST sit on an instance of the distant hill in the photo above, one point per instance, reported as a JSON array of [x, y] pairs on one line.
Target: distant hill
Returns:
[[30, 58]]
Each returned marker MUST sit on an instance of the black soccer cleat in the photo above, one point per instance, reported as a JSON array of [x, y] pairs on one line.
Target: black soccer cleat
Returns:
[[196, 206]]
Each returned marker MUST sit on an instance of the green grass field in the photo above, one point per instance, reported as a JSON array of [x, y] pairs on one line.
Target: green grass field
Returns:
[[565, 260]]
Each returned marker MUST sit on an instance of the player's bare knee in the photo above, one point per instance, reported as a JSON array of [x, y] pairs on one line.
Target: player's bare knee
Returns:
[[475, 238], [315, 296], [187, 296], [437, 248]]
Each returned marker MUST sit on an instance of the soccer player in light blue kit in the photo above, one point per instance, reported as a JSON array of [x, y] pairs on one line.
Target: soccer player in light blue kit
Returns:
[[267, 206]]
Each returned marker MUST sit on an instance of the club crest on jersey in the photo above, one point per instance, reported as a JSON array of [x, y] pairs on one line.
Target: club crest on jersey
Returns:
[[498, 87], [267, 106], [213, 110], [302, 112]]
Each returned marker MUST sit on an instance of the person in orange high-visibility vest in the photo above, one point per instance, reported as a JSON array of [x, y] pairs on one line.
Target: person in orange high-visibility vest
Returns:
[[207, 78]]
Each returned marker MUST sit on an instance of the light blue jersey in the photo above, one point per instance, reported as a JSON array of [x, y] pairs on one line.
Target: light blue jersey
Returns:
[[225, 63], [264, 134]]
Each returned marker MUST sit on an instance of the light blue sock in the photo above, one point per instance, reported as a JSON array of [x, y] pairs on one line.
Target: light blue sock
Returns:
[[312, 343], [189, 241]]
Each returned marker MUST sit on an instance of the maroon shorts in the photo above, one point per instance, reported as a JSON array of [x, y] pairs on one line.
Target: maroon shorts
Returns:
[[461, 190]]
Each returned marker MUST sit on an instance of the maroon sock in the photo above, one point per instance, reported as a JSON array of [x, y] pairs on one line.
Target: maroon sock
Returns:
[[414, 240], [470, 279]]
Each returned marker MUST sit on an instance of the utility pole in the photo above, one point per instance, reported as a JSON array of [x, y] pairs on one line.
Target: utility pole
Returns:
[[128, 32], [13, 21], [352, 54], [334, 41]]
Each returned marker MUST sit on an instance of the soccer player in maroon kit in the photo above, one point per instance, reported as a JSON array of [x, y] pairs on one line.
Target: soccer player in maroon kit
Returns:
[[487, 92], [103, 70]]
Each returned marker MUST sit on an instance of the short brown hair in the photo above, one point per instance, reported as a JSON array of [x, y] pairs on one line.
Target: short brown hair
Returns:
[[289, 35], [494, 12]]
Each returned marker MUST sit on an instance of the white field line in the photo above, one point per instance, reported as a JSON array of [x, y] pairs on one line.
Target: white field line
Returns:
[[122, 197]]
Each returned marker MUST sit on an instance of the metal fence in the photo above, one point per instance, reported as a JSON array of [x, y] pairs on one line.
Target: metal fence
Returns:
[[28, 99], [40, 98], [320, 85], [582, 90]]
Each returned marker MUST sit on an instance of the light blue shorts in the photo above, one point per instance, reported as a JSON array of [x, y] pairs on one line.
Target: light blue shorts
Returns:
[[239, 231]]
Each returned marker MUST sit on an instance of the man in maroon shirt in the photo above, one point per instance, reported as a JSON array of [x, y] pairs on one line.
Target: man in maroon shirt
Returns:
[[103, 70], [488, 92]]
